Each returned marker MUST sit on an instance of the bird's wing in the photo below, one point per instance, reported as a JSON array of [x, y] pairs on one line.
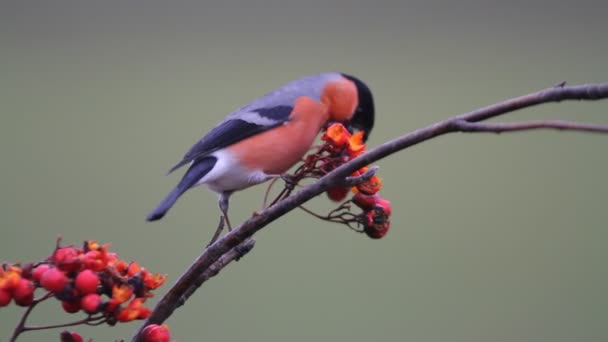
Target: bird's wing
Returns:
[[239, 125]]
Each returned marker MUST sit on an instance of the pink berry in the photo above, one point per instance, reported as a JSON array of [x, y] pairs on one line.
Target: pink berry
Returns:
[[24, 292], [90, 303], [67, 259], [5, 297], [87, 282], [71, 336], [39, 271], [385, 205], [363, 201], [156, 333], [53, 280]]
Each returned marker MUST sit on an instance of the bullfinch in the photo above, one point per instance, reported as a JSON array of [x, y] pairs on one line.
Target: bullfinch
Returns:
[[266, 137]]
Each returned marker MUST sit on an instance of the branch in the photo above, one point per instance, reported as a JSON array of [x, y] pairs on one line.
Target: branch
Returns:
[[233, 255], [171, 300], [466, 126]]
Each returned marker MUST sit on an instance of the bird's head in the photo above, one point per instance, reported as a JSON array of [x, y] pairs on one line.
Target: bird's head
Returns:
[[351, 103]]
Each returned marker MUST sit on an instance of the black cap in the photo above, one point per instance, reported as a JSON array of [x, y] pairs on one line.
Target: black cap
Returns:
[[363, 119]]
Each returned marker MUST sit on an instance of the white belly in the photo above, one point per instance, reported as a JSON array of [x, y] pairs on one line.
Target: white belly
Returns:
[[228, 175]]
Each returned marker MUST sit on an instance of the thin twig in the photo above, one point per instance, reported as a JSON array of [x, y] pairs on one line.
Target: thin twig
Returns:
[[20, 328], [88, 321], [167, 305]]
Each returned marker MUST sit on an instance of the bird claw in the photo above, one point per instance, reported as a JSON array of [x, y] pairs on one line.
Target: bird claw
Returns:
[[290, 181]]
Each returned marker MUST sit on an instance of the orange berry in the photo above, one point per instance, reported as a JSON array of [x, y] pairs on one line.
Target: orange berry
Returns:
[[133, 269], [144, 312], [9, 279], [121, 293], [121, 266], [370, 186], [131, 311], [336, 135]]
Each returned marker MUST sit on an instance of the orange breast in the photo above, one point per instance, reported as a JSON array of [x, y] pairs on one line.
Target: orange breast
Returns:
[[278, 149]]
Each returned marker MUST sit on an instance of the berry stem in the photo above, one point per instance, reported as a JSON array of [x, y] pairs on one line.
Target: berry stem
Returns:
[[91, 320], [20, 328]]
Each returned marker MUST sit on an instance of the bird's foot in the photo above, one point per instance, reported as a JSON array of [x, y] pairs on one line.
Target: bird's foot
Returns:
[[290, 181], [220, 227]]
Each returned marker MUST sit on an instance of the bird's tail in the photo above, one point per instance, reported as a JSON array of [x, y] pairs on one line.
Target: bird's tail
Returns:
[[165, 205], [194, 174]]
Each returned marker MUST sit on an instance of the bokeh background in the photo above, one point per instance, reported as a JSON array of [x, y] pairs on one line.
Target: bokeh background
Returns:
[[494, 237]]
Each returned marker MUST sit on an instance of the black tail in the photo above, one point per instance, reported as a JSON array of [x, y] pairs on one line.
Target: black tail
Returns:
[[197, 171]]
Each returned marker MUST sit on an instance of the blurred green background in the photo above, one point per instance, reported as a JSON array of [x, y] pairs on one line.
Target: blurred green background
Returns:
[[494, 238]]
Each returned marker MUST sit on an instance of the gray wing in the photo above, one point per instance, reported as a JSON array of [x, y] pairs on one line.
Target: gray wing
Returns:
[[235, 129], [262, 114]]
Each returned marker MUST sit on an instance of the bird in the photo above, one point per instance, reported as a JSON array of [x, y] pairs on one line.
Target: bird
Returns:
[[265, 138]]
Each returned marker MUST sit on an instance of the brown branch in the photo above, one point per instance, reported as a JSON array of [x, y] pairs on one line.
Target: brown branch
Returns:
[[233, 255], [171, 300], [491, 127]]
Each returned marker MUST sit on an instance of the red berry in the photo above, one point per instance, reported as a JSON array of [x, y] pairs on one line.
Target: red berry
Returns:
[[93, 260], [70, 336], [377, 224], [67, 259], [53, 280], [26, 270], [87, 282], [363, 201], [5, 297], [337, 193], [156, 333], [24, 292], [39, 271], [385, 205], [111, 306], [90, 303], [70, 307], [144, 313]]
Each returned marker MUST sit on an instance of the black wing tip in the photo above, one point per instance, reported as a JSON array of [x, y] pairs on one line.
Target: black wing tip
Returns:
[[155, 216], [177, 166]]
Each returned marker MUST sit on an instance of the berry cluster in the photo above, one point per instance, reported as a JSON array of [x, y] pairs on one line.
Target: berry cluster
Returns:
[[151, 333], [89, 279], [339, 147]]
